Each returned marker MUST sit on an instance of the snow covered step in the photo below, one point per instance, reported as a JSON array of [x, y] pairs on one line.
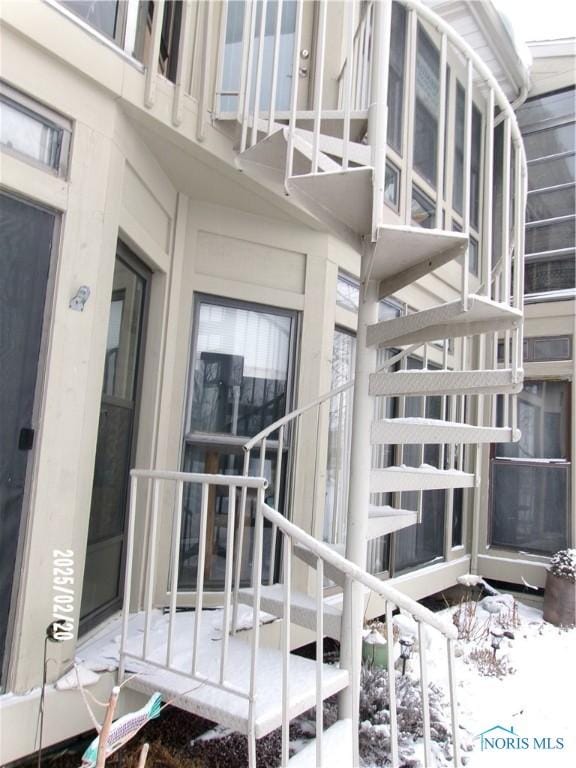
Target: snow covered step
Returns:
[[427, 382], [415, 431], [302, 608], [337, 749], [385, 520], [423, 478], [330, 572], [445, 321], [403, 254], [231, 710]]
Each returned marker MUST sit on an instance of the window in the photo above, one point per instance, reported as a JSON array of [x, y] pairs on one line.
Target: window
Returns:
[[107, 16], [549, 274], [347, 293], [423, 209], [241, 378], [32, 132], [232, 60], [426, 107], [551, 235], [169, 37], [550, 203], [540, 349], [396, 77], [530, 480], [392, 186]]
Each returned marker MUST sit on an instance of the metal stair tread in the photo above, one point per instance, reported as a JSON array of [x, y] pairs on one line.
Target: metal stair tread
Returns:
[[409, 431], [230, 710], [422, 478], [405, 253], [448, 320], [302, 607], [443, 382], [310, 559], [337, 749], [385, 519]]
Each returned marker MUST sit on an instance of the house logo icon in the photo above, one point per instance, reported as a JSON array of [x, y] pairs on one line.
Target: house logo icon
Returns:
[[499, 738]]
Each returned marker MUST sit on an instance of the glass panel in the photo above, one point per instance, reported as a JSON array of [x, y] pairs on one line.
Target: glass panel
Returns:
[[25, 244], [102, 575], [423, 210], [537, 350], [426, 107], [232, 66], [474, 256], [458, 185], [550, 274], [240, 369], [225, 461], [548, 205], [347, 294], [551, 141], [457, 516], [421, 543], [555, 105], [123, 330], [549, 173], [340, 424], [475, 167], [100, 14], [530, 506], [396, 76], [542, 418], [392, 186], [550, 237], [29, 134]]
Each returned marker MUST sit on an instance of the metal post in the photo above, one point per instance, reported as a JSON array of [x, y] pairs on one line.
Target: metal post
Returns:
[[378, 109]]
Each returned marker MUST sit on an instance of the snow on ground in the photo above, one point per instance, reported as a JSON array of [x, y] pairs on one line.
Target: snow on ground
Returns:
[[535, 700]]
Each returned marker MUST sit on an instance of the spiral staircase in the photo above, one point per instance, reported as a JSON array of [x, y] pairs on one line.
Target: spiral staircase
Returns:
[[331, 160]]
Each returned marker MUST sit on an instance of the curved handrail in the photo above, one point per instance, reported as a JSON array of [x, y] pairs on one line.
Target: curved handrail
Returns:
[[295, 413], [358, 574], [482, 68]]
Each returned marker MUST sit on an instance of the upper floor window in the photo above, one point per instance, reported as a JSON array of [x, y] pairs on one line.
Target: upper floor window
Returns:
[[107, 16], [426, 107], [475, 155], [31, 132], [396, 76]]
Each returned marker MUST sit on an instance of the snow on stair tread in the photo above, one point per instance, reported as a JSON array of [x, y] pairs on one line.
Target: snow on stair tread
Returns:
[[337, 749], [445, 321], [302, 607], [385, 519], [385, 510], [414, 430], [422, 478], [228, 709], [442, 382]]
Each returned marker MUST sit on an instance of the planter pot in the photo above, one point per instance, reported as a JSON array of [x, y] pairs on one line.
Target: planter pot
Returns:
[[560, 601], [375, 654]]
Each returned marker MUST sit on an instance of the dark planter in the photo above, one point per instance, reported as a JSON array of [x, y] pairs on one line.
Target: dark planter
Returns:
[[560, 601]]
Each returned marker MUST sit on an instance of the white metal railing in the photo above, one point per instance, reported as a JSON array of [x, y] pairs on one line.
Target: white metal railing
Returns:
[[358, 581]]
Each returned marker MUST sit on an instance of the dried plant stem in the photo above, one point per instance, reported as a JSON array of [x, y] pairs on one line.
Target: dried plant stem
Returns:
[[106, 725], [143, 755]]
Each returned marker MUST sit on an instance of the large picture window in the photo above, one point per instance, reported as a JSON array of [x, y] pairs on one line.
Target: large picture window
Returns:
[[241, 378]]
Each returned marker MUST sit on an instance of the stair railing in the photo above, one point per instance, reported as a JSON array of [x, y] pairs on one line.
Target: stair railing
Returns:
[[287, 427]]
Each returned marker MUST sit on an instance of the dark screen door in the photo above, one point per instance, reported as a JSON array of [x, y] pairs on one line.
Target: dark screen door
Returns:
[[26, 234], [103, 570]]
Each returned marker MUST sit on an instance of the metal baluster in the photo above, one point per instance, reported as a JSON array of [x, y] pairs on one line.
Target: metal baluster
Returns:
[[251, 9], [488, 195], [228, 579], [240, 546], [319, 82], [258, 85], [411, 45], [175, 565], [294, 95], [153, 54], [425, 700], [319, 660], [200, 573], [394, 752], [277, 483], [255, 638], [467, 182], [128, 576], [453, 704], [440, 159], [274, 84], [348, 74], [206, 60], [151, 566], [287, 594]]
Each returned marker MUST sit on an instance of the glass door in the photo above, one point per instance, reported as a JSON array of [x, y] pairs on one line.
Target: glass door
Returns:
[[103, 571], [26, 234], [241, 381]]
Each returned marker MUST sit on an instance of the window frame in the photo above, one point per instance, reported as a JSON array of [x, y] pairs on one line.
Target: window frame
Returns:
[[31, 108]]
